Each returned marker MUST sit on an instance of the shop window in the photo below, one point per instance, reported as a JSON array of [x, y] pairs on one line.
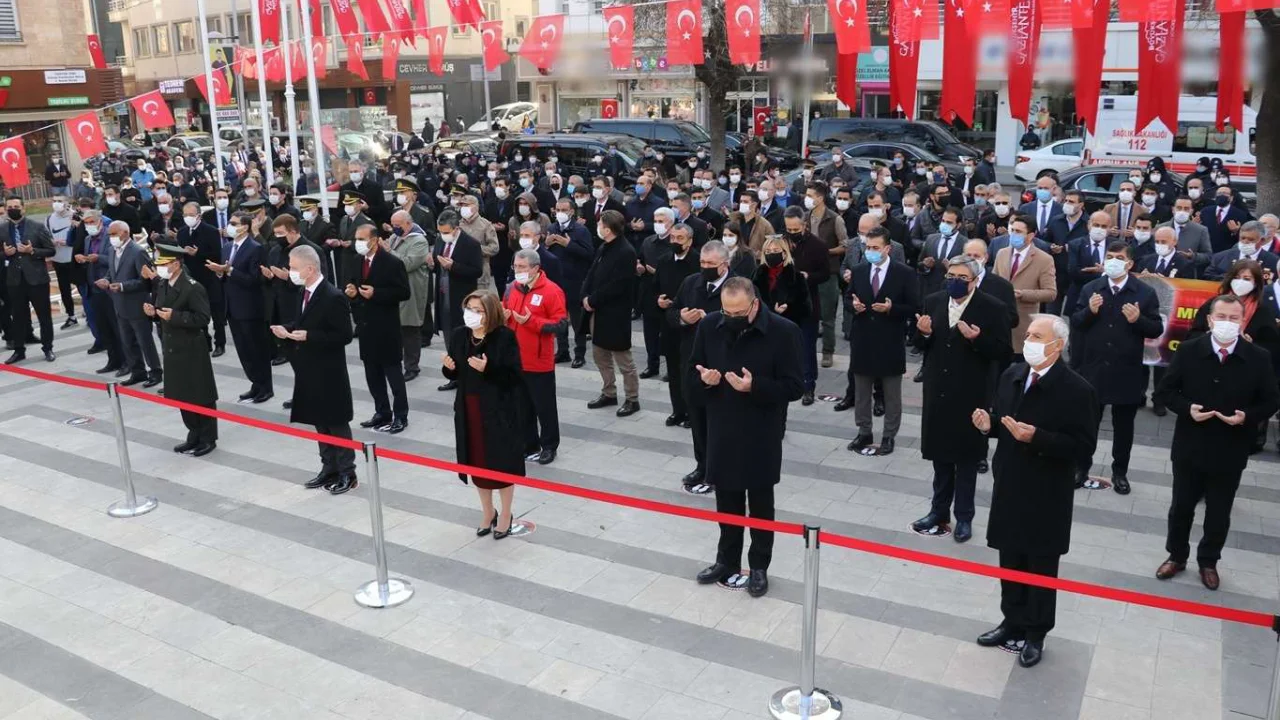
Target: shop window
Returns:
[[160, 39], [142, 42], [1204, 138], [184, 35], [9, 31]]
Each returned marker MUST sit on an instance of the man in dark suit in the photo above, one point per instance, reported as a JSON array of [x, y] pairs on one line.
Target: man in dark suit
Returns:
[[369, 190], [703, 212], [965, 336], [90, 253], [1085, 257], [1043, 209], [458, 262], [1063, 232], [1044, 418], [608, 294], [682, 205], [938, 248], [321, 385], [991, 283], [1220, 388], [219, 216], [241, 274], [1248, 248], [883, 294], [1165, 261], [27, 244], [342, 248], [129, 282], [1223, 219], [601, 200], [375, 299], [1114, 318], [317, 229], [202, 245]]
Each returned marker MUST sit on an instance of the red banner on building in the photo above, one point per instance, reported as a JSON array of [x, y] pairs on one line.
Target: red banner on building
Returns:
[[959, 64], [1024, 45], [1160, 67], [619, 23], [95, 52], [609, 108], [684, 32], [742, 18]]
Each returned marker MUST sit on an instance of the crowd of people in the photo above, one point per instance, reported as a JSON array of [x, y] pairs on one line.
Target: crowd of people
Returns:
[[1028, 316]]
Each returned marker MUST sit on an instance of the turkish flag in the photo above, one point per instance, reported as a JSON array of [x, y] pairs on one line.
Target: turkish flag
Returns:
[[1231, 70], [242, 63], [1090, 47], [13, 163], [987, 17], [1024, 42], [609, 108], [847, 79], [153, 112], [541, 45], [317, 23], [221, 93], [918, 19], [904, 58], [355, 57], [273, 59], [959, 64], [421, 20], [95, 52], [344, 18], [1160, 66], [684, 32], [374, 21], [435, 48], [329, 138], [491, 44], [390, 54], [269, 19], [298, 59], [320, 55], [86, 133], [849, 23], [760, 117], [401, 21], [742, 18], [466, 12], [620, 24]]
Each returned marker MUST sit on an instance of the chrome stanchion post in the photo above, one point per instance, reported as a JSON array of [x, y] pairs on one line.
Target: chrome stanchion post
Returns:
[[806, 702], [131, 506], [1273, 710], [383, 592]]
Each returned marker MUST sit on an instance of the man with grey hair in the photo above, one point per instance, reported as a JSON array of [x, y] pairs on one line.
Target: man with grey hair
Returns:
[[1044, 417], [682, 206], [1248, 248], [652, 249], [457, 261], [1270, 226], [534, 308], [91, 251], [482, 231], [698, 296], [964, 335]]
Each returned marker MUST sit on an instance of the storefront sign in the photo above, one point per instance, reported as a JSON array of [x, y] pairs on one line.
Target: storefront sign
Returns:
[[477, 73], [64, 77], [70, 100], [171, 87], [874, 66], [420, 71]]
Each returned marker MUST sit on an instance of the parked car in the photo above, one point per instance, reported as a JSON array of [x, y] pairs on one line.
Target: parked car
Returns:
[[826, 133], [1098, 183], [200, 144], [128, 149], [863, 153], [235, 134], [151, 137], [510, 116], [677, 139], [575, 150], [471, 143], [782, 157], [1049, 160]]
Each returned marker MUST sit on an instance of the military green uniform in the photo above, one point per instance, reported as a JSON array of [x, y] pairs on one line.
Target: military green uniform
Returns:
[[188, 369]]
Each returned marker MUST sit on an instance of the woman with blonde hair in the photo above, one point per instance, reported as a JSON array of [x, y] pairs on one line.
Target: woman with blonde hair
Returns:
[[780, 285], [487, 420]]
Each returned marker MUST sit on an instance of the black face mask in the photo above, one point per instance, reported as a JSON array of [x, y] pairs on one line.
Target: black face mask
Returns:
[[795, 237], [736, 323], [773, 259], [14, 214], [710, 274], [1222, 201]]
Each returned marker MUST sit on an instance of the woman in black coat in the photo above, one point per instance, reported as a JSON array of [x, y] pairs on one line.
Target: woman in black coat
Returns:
[[742, 261], [780, 285], [485, 361]]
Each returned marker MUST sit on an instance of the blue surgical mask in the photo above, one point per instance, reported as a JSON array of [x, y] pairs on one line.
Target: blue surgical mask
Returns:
[[698, 204], [946, 228], [1043, 195], [1017, 240], [641, 190], [570, 188], [979, 201], [874, 257]]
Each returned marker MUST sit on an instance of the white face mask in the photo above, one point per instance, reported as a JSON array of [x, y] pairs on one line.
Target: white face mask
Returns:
[[1247, 248], [1164, 250], [295, 277], [1225, 331], [522, 278], [500, 193], [764, 195], [1114, 268], [524, 210], [191, 220], [362, 247], [1126, 196], [598, 193], [471, 319], [274, 198], [1149, 200], [526, 242], [492, 174], [59, 206], [660, 228], [735, 179], [524, 182], [1242, 287], [744, 208], [1034, 353], [250, 192], [1182, 217], [1070, 209], [221, 203], [1002, 209], [562, 218], [350, 210], [809, 203], [116, 242], [113, 201], [876, 212], [467, 212], [968, 169], [1194, 193], [1142, 235], [1097, 234], [309, 215], [92, 229], [356, 177], [164, 208], [402, 199], [841, 205], [164, 272], [1155, 177], [729, 241]]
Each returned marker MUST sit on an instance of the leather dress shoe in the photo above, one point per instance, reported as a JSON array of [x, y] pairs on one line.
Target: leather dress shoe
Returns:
[[718, 572], [983, 466], [202, 449], [928, 521], [1081, 478], [248, 395], [648, 373], [697, 476], [577, 363], [107, 369], [49, 356], [287, 404], [219, 351], [886, 446], [184, 447], [1159, 410], [601, 401], [674, 420], [1209, 577], [1120, 483], [451, 385], [877, 408], [122, 372], [963, 532], [319, 481], [95, 350], [807, 399], [395, 427], [546, 457], [278, 361], [134, 380], [1031, 654], [375, 422], [666, 378], [15, 358], [1169, 568], [70, 321], [561, 358], [919, 376], [844, 404], [342, 484], [153, 380], [758, 584], [630, 407], [860, 442], [998, 636], [263, 397], [412, 375]]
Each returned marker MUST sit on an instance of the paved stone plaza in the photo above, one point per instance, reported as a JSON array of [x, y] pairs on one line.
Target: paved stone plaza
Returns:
[[234, 598]]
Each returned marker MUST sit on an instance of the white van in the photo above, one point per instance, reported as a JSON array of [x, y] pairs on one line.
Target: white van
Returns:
[[1197, 136]]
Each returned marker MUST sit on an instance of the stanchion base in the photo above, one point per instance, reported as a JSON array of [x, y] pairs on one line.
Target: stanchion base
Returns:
[[122, 509], [398, 591], [785, 705]]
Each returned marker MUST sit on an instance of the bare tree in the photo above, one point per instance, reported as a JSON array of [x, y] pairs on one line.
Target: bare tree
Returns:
[[1268, 122]]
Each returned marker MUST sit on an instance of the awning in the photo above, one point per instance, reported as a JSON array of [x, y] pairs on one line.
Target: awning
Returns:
[[47, 115]]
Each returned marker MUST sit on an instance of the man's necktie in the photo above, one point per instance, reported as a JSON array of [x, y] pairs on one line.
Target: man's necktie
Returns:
[[1035, 378], [1044, 217], [1225, 353], [875, 281], [1013, 269], [364, 274], [1097, 252], [306, 299]]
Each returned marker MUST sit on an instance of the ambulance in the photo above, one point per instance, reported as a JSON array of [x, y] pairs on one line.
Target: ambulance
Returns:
[[1116, 142]]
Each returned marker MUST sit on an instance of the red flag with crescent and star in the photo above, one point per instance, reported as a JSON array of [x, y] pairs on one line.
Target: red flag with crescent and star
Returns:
[[86, 133], [421, 19], [401, 21], [298, 59], [273, 59], [847, 79], [320, 54], [904, 57], [684, 32], [917, 19], [374, 21], [355, 57], [959, 63], [152, 111], [466, 12], [491, 44], [620, 24], [344, 18], [221, 93], [986, 17], [390, 54], [541, 45], [243, 63], [95, 52], [743, 28], [435, 48], [849, 23], [13, 163]]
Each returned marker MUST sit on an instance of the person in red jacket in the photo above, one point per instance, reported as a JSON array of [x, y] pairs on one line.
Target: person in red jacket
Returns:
[[534, 308]]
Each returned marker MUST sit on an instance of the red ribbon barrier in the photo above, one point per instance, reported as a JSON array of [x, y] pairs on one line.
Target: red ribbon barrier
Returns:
[[50, 377]]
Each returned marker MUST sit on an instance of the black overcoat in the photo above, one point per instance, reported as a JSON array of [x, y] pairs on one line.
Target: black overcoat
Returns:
[[792, 290], [468, 264], [1109, 347], [378, 318], [321, 385], [500, 389], [610, 288], [188, 371]]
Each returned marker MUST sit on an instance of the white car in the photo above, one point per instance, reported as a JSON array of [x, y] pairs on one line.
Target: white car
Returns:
[[511, 116], [1050, 159]]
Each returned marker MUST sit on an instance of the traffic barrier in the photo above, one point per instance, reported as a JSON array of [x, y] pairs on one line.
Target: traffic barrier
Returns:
[[805, 701]]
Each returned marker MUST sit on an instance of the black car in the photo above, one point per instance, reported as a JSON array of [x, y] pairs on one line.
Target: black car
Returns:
[[1099, 184], [574, 152], [782, 157], [677, 139], [883, 150], [826, 133]]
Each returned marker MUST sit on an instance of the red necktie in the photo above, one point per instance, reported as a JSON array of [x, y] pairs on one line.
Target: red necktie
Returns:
[[1014, 269], [364, 274], [306, 298], [1035, 378], [1225, 353]]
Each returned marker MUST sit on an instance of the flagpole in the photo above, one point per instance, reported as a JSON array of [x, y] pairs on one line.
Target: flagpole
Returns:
[[291, 112], [313, 99], [264, 104], [808, 84], [212, 95], [235, 34]]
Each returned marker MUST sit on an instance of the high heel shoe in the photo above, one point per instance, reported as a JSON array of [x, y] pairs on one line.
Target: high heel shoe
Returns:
[[481, 532], [499, 534]]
